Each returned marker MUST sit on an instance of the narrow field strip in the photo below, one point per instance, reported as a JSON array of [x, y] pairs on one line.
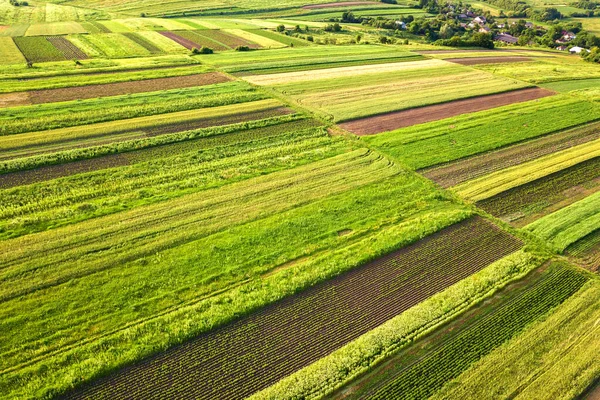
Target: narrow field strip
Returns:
[[401, 119], [483, 335], [341, 72], [497, 182], [68, 49], [567, 225], [269, 345], [487, 60], [110, 89], [555, 358], [35, 143], [473, 167]]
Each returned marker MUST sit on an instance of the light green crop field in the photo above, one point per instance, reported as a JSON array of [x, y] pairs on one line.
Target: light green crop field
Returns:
[[161, 204]]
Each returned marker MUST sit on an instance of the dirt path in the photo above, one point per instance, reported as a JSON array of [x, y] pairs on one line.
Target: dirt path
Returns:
[[402, 119]]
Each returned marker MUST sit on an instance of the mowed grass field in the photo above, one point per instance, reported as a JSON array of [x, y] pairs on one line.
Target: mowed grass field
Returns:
[[176, 224]]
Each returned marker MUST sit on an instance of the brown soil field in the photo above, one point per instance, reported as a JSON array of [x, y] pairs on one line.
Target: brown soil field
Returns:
[[488, 60], [473, 167], [187, 43], [57, 171], [68, 49], [414, 116], [256, 351], [455, 51], [593, 393], [339, 4], [109, 89]]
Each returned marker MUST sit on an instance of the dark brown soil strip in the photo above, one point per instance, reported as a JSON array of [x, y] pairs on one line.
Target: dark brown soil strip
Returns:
[[456, 51], [340, 4], [227, 39], [187, 43], [134, 37], [488, 60], [461, 171], [203, 40], [414, 116], [539, 197], [113, 89], [58, 171], [253, 353], [68, 49]]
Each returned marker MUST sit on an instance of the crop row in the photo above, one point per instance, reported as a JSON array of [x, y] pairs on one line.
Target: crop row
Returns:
[[443, 141], [255, 352], [474, 167], [427, 376], [148, 45], [68, 49], [534, 197]]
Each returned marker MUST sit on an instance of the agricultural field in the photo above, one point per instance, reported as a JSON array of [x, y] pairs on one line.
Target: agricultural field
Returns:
[[244, 200]]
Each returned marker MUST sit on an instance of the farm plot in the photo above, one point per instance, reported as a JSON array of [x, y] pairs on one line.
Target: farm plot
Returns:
[[447, 140], [569, 224], [554, 358], [586, 251], [49, 116], [111, 45], [349, 93], [267, 346], [45, 142], [275, 37], [68, 49], [260, 40], [402, 119], [121, 88], [9, 52], [163, 43], [54, 29], [38, 49], [142, 41], [191, 40], [473, 167], [396, 209], [479, 336], [313, 58], [229, 40]]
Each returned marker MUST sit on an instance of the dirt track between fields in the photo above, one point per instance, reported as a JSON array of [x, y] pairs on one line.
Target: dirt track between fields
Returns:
[[405, 118]]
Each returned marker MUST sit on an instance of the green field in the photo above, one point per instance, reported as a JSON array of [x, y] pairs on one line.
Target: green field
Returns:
[[183, 213]]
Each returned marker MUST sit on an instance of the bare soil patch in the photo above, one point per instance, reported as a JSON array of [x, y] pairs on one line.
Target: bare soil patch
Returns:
[[109, 89], [187, 43], [402, 119], [256, 351], [339, 4], [488, 60]]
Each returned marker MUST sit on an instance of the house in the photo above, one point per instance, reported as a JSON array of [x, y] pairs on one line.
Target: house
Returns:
[[484, 29], [562, 48], [480, 20], [470, 14], [462, 16], [463, 25], [577, 50], [528, 25], [500, 26], [401, 25], [568, 36], [506, 38]]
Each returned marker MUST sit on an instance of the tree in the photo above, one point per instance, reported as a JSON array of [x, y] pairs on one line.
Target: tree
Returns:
[[446, 32], [280, 28]]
